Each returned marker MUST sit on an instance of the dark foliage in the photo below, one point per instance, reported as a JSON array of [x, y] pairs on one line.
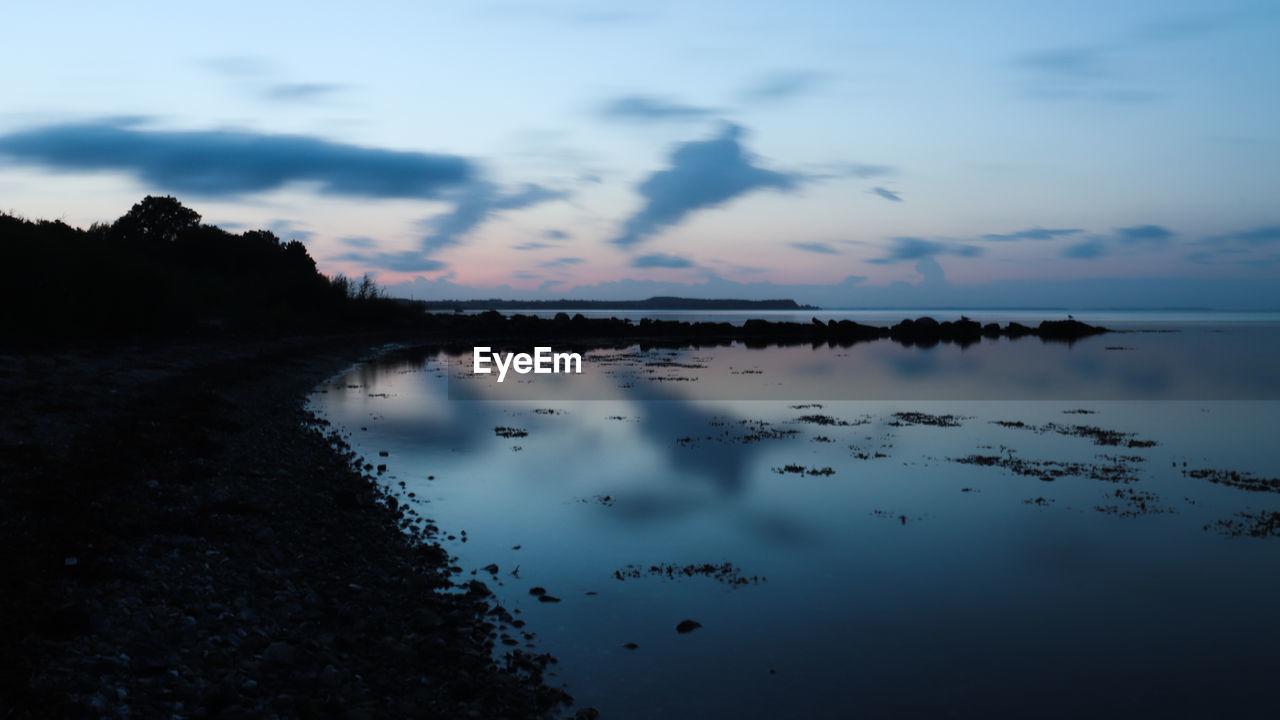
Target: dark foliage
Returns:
[[158, 271]]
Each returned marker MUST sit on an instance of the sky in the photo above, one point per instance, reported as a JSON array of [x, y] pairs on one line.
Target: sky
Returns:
[[848, 154]]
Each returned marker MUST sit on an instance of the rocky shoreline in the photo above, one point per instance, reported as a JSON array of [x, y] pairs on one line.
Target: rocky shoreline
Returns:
[[181, 539], [514, 330]]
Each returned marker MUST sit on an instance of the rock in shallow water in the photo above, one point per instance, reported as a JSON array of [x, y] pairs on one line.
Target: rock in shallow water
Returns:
[[688, 626]]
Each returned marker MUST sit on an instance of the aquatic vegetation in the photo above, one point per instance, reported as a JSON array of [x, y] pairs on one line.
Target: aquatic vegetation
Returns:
[[726, 573], [904, 419], [1236, 479]]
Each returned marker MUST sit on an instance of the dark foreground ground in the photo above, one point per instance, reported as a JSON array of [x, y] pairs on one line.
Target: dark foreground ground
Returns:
[[178, 538]]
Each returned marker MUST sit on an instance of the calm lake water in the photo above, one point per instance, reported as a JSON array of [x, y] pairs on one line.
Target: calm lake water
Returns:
[[1026, 528]]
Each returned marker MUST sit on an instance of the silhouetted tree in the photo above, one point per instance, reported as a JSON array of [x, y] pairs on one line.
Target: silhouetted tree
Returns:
[[156, 219]]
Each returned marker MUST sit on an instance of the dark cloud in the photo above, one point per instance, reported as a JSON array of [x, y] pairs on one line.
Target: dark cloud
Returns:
[[301, 92], [358, 242], [407, 261], [1033, 234], [815, 247], [1144, 233], [887, 194], [644, 108], [476, 203], [914, 248], [779, 86], [1089, 250], [556, 234], [703, 174], [659, 260], [220, 163]]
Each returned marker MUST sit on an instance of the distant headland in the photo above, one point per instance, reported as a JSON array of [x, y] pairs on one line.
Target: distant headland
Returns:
[[662, 302]]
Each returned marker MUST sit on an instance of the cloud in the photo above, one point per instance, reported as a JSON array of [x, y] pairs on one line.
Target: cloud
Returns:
[[357, 242], [476, 203], [1089, 250], [218, 163], [1033, 234], [931, 273], [301, 92], [1228, 257], [914, 248], [408, 261], [534, 245], [1077, 74], [815, 247], [1257, 236], [556, 234], [887, 194], [1070, 62], [703, 174], [778, 86], [1237, 244], [289, 230], [561, 262], [659, 260], [867, 170], [1144, 233], [645, 108]]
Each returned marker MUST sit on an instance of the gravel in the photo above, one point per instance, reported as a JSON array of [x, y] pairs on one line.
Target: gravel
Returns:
[[181, 539]]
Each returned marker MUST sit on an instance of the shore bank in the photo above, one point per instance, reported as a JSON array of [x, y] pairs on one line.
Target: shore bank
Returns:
[[181, 539]]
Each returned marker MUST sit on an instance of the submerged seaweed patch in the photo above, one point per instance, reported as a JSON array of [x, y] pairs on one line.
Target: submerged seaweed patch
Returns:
[[1261, 524], [1236, 479], [1116, 469], [802, 470], [1099, 436], [726, 573], [904, 419]]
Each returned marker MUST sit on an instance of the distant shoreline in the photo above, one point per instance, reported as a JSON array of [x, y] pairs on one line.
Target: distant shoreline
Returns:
[[653, 303]]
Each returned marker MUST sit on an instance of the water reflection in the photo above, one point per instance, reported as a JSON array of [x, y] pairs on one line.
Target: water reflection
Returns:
[[1193, 363], [902, 583]]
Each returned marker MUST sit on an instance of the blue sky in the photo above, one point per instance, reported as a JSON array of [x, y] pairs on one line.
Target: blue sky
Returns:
[[843, 153]]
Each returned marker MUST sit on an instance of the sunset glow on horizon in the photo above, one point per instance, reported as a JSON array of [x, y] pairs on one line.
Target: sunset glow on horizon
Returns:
[[1091, 154]]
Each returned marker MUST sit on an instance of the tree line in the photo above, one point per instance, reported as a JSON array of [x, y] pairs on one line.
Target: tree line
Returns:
[[158, 270]]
